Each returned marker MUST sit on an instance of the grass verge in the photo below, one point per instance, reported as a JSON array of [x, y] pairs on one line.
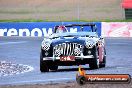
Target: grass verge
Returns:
[[39, 20]]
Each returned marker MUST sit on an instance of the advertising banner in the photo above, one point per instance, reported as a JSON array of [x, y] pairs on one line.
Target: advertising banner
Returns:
[[37, 29], [116, 29]]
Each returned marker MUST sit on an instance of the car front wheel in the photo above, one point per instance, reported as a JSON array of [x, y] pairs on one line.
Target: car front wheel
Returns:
[[53, 68], [43, 65], [94, 64]]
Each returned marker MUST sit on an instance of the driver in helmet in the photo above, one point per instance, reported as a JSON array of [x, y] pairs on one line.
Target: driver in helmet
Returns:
[[61, 29]]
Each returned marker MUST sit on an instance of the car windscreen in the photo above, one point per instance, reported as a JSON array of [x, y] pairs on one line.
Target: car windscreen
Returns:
[[77, 34]]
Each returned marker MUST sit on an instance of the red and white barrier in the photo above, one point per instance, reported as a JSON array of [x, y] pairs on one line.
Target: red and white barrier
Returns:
[[116, 29]]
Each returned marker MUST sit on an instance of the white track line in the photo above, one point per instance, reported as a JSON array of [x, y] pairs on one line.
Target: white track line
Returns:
[[5, 43]]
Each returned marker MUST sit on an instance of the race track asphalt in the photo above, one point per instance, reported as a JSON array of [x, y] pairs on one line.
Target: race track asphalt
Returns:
[[26, 51]]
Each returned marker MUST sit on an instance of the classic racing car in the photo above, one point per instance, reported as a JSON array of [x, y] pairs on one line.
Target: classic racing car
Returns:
[[63, 48]]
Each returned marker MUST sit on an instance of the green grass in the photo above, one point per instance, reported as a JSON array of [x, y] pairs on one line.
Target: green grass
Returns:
[[74, 20], [20, 11], [22, 20]]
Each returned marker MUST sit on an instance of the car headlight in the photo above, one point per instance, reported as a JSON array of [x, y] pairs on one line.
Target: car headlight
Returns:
[[90, 44], [77, 51], [46, 45], [57, 53]]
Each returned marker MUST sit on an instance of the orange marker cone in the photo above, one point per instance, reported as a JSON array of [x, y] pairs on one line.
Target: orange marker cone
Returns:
[[81, 71]]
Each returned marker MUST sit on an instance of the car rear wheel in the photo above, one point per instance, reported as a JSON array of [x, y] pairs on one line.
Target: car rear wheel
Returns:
[[43, 65], [94, 64]]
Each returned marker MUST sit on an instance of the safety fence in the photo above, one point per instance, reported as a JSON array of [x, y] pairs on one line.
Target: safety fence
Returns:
[[40, 29]]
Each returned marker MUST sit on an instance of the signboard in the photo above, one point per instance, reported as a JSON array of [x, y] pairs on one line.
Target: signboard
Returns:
[[37, 29], [116, 29]]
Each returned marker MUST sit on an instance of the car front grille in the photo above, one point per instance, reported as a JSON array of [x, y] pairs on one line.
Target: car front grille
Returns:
[[67, 49]]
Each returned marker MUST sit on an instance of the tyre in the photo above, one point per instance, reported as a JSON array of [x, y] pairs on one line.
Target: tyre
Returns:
[[43, 65], [81, 80], [54, 68], [94, 64]]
